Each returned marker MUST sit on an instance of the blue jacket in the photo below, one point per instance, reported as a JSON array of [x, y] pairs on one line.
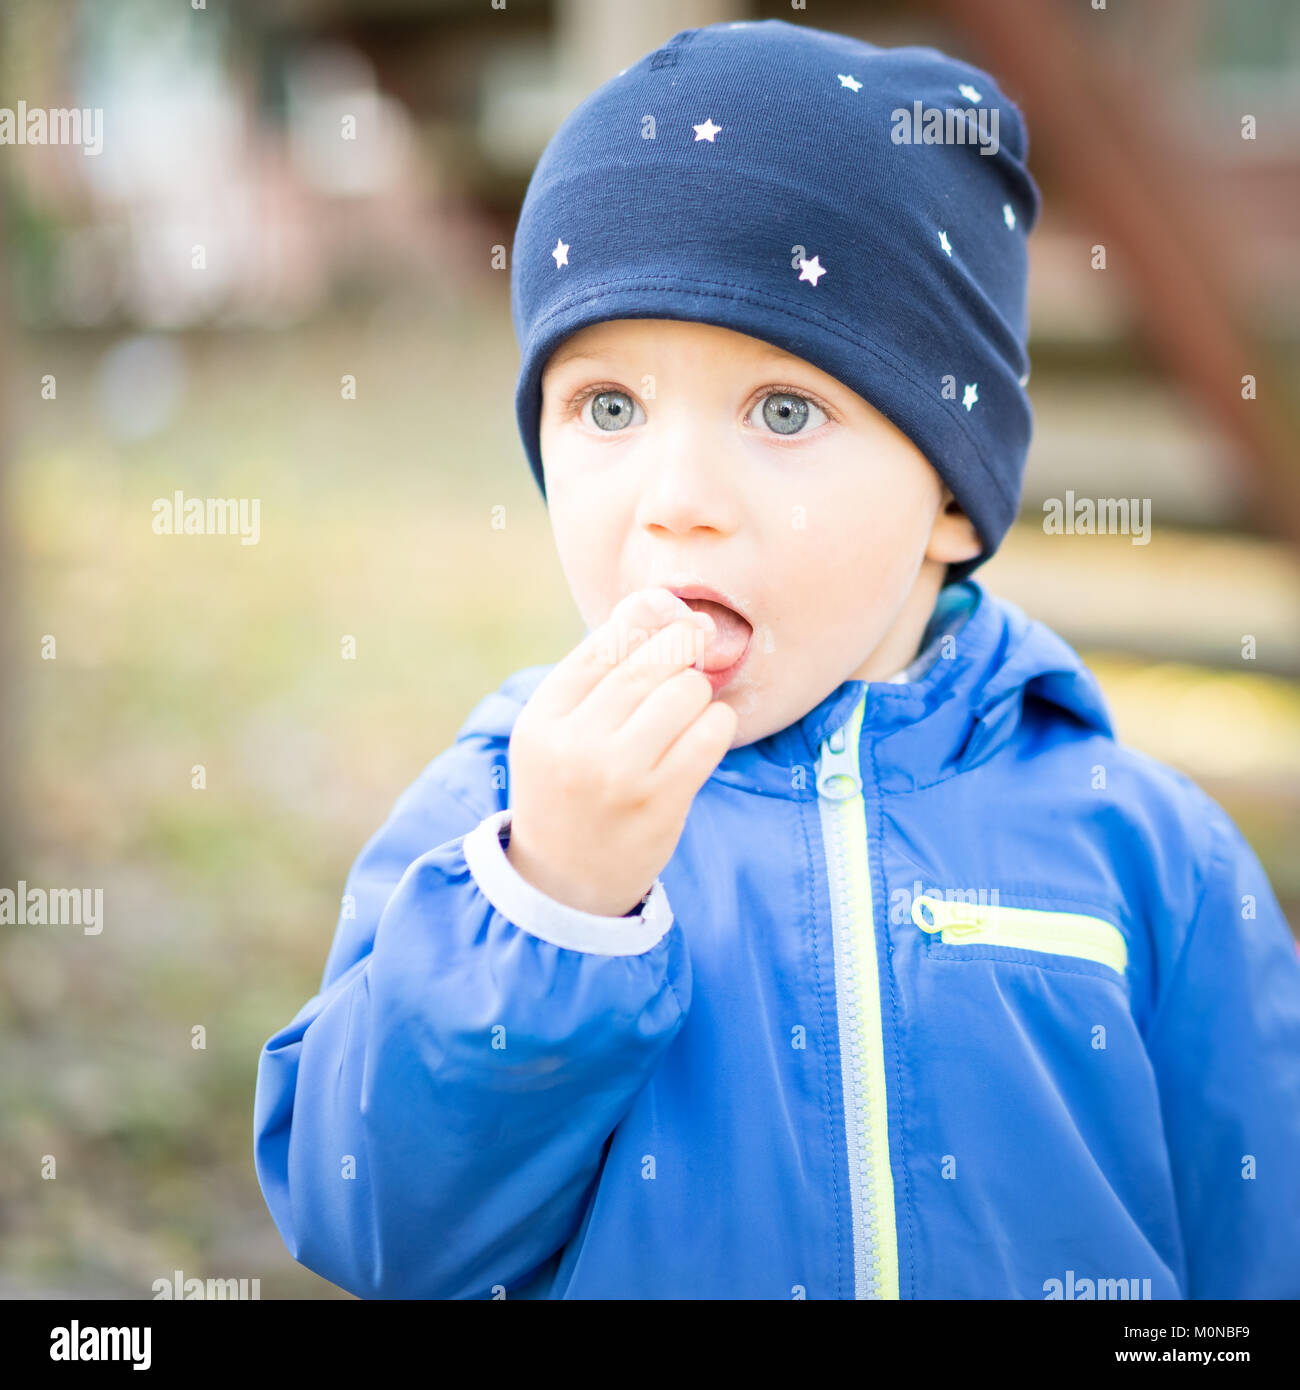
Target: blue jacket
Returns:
[[944, 993]]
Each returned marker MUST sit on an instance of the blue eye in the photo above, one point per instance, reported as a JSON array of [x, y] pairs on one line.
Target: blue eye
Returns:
[[786, 413], [612, 410]]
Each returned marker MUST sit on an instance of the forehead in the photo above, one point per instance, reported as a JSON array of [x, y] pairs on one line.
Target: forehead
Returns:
[[614, 337]]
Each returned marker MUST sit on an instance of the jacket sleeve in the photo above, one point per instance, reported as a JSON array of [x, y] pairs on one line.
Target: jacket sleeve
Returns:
[[1225, 1045], [431, 1124]]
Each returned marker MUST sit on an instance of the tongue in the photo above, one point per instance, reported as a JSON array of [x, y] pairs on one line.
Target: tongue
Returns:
[[730, 637]]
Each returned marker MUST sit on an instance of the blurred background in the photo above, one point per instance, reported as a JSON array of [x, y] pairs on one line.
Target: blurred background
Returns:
[[132, 366]]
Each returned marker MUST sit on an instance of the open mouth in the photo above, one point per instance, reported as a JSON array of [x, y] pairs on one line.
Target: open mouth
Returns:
[[731, 637]]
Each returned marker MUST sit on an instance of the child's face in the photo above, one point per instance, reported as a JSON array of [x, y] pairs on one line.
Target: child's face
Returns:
[[752, 472]]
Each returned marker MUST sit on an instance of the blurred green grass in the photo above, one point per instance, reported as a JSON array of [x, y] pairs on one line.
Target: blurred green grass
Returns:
[[173, 651]]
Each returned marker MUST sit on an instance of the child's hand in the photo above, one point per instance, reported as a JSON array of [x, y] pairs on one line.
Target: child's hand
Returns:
[[608, 754]]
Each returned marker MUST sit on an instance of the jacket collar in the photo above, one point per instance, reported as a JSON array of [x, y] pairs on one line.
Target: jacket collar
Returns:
[[965, 701]]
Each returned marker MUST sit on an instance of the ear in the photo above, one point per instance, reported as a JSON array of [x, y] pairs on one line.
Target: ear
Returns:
[[953, 537]]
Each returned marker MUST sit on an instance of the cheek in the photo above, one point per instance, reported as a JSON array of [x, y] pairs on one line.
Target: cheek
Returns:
[[888, 507], [588, 548], [862, 543]]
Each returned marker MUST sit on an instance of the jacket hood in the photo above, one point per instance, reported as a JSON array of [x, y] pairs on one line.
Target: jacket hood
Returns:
[[956, 715]]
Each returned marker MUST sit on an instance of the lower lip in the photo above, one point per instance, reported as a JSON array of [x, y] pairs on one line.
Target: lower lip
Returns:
[[717, 679]]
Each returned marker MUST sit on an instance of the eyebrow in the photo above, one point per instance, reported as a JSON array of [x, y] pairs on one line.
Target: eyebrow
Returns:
[[771, 356], [571, 355]]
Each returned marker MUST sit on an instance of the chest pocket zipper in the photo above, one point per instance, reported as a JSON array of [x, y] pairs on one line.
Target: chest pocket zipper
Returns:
[[1023, 929]]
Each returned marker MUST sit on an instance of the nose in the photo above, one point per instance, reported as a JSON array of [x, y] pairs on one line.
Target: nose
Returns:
[[686, 490]]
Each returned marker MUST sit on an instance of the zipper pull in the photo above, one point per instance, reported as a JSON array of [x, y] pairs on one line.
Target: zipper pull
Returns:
[[960, 919], [837, 769], [919, 919]]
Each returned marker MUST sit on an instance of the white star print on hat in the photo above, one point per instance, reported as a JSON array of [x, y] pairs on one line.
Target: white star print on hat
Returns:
[[849, 81], [706, 130], [945, 244], [1008, 215], [561, 253], [968, 92], [971, 395], [811, 270]]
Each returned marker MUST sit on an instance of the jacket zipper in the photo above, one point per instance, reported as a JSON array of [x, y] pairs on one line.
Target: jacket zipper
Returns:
[[1022, 928], [857, 994]]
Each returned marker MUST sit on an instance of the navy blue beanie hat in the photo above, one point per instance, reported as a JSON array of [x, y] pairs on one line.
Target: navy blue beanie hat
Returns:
[[863, 208]]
